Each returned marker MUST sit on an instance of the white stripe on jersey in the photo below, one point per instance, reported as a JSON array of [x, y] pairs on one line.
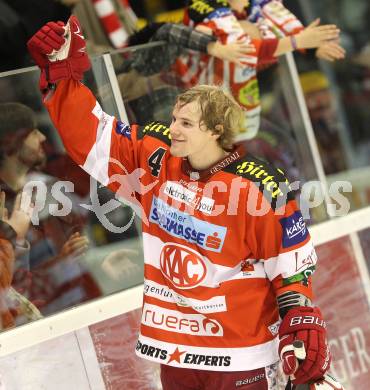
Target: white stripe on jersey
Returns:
[[292, 25], [97, 161], [155, 290], [291, 263], [241, 359]]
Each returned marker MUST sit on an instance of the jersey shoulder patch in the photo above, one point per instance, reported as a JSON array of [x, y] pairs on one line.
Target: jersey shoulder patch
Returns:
[[269, 180], [199, 10], [159, 130]]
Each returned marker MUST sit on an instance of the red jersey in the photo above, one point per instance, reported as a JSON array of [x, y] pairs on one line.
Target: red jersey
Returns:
[[274, 20], [219, 245]]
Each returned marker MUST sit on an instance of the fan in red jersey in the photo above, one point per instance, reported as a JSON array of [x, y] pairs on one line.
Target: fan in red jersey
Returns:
[[270, 28]]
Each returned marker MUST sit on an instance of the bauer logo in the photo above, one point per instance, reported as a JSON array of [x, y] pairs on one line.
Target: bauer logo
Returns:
[[182, 266], [181, 225], [294, 229], [123, 129]]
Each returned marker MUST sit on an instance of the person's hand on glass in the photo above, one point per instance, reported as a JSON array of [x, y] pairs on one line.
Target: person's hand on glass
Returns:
[[330, 51], [315, 35], [234, 52], [118, 264], [75, 247]]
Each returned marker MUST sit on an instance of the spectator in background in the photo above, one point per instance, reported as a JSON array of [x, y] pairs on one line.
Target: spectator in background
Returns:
[[13, 229], [19, 20], [50, 268], [106, 23], [20, 151], [320, 105], [227, 21], [148, 88]]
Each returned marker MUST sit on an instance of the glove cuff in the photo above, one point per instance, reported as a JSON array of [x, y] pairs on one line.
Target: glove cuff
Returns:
[[70, 68], [290, 300]]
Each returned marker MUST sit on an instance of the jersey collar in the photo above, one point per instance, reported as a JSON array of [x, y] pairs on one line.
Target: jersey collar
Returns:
[[204, 174]]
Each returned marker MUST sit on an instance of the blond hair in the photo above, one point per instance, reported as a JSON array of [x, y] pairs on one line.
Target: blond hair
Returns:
[[220, 113]]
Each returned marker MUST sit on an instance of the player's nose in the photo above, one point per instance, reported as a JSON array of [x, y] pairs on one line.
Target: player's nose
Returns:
[[174, 130]]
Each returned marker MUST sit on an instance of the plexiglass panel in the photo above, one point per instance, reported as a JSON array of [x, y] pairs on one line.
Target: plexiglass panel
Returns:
[[337, 94], [82, 242]]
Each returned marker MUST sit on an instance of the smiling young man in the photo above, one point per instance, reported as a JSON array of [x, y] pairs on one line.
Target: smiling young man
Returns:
[[189, 129], [218, 271]]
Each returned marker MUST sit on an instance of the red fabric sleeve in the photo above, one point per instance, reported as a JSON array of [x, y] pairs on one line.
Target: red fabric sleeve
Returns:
[[6, 268], [267, 50], [96, 141]]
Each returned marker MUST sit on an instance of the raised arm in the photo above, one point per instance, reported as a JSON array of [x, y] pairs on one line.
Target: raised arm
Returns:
[[201, 39], [275, 20], [96, 141], [312, 36]]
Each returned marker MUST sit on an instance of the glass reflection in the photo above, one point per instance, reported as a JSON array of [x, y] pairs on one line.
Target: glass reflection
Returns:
[[69, 254]]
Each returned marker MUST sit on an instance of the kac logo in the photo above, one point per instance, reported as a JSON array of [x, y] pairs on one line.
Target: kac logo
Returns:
[[294, 229], [182, 266]]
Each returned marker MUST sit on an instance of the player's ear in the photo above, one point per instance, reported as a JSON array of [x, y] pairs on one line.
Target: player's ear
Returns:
[[218, 131]]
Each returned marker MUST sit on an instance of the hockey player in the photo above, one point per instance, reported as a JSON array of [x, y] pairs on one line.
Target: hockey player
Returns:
[[226, 250]]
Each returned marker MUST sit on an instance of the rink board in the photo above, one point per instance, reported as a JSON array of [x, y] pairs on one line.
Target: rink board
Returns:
[[101, 356]]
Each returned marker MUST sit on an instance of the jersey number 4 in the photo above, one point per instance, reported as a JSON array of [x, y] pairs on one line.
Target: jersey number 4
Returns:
[[155, 161]]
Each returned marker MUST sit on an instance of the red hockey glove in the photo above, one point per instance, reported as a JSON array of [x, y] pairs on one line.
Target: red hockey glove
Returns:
[[60, 51], [48, 38], [305, 324]]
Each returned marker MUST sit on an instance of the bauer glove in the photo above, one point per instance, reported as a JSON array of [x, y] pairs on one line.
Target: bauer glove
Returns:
[[60, 52], [307, 325]]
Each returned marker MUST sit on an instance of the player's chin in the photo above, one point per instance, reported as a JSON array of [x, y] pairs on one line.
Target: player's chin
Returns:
[[177, 151]]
